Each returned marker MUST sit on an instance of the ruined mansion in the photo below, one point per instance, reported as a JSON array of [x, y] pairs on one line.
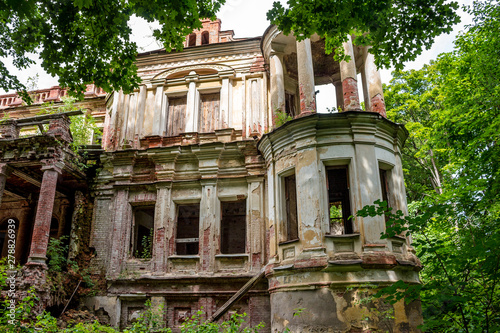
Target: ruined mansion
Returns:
[[202, 195]]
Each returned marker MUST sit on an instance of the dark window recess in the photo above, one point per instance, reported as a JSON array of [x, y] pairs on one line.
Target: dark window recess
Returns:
[[290, 104], [192, 40], [54, 228], [205, 38], [233, 227], [143, 232], [338, 199], [385, 188], [176, 115], [188, 221], [291, 225], [209, 112]]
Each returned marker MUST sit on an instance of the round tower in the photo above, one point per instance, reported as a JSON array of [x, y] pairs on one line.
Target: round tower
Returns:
[[322, 169]]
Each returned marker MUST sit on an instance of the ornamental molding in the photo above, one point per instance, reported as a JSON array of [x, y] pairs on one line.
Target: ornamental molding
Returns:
[[188, 69]]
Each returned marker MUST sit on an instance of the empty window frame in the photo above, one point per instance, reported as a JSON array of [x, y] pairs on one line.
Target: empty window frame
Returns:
[[290, 104], [385, 188], [188, 222], [192, 40], [291, 231], [339, 201], [233, 227], [209, 112], [176, 123], [142, 237], [205, 38]]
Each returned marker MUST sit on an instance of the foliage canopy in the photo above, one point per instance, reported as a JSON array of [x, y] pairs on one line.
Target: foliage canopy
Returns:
[[88, 41], [451, 108], [397, 30]]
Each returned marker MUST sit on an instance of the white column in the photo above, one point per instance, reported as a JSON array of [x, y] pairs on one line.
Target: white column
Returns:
[[306, 77], [164, 116], [374, 83], [191, 108], [224, 104], [141, 108], [158, 110], [277, 83]]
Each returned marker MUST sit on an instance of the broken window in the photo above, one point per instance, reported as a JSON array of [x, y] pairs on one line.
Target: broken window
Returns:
[[205, 37], [188, 221], [233, 227], [290, 104], [209, 112], [385, 188], [338, 201], [192, 40], [291, 224], [176, 115], [142, 238]]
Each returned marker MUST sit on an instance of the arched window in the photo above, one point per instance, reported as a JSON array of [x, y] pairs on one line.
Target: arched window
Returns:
[[5, 235], [192, 40], [205, 38]]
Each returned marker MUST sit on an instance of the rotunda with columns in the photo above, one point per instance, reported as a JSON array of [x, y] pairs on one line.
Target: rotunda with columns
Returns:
[[322, 169]]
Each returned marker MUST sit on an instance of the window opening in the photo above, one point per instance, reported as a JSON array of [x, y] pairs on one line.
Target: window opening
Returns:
[[291, 225], [205, 38], [192, 40], [385, 188], [233, 227], [338, 201], [290, 104], [54, 228], [188, 221], [176, 115], [143, 232], [209, 112]]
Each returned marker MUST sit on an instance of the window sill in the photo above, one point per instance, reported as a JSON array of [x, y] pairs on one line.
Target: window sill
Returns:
[[347, 236], [230, 256], [289, 242], [184, 257]]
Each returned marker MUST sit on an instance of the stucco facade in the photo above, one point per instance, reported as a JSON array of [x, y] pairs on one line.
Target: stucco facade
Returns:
[[198, 189]]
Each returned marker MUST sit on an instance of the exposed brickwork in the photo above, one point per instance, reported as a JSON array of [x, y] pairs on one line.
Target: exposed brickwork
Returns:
[[351, 96], [34, 275], [9, 130], [41, 229], [378, 105], [53, 94], [258, 65], [59, 128], [306, 107]]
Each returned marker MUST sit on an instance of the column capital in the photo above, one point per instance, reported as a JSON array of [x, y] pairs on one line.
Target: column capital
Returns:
[[52, 164]]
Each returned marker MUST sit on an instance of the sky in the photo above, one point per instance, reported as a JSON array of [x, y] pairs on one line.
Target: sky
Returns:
[[248, 19]]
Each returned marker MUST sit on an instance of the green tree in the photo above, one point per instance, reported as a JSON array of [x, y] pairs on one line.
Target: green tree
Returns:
[[397, 30], [88, 41], [452, 110]]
